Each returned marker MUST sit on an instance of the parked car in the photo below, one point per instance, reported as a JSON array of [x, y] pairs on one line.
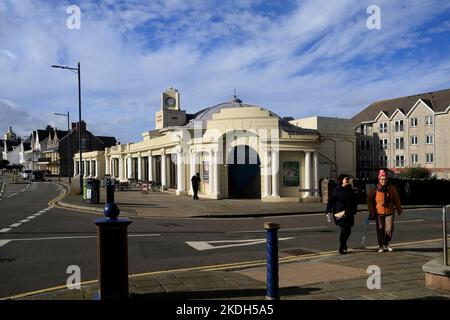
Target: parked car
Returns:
[[25, 174], [37, 175]]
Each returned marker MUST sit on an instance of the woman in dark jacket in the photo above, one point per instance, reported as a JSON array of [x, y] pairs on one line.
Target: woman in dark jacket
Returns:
[[343, 198]]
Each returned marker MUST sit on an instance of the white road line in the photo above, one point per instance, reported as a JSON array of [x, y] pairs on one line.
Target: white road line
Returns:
[[15, 225], [5, 230], [404, 221], [24, 221], [11, 195], [206, 245], [31, 217], [288, 229], [3, 242]]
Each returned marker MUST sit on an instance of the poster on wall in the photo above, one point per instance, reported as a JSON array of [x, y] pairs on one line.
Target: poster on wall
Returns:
[[291, 175], [205, 171]]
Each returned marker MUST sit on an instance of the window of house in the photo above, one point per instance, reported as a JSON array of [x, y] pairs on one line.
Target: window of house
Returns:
[[399, 126], [414, 158], [399, 143], [383, 144], [383, 127], [429, 158], [399, 161], [382, 161], [429, 120], [413, 122], [430, 139], [414, 140], [368, 145]]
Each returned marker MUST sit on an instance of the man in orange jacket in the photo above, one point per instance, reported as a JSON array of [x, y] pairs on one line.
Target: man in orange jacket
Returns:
[[383, 201]]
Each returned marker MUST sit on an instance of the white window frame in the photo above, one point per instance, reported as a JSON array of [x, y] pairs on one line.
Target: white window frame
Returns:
[[428, 157], [399, 143], [429, 120], [399, 161], [430, 139], [399, 126], [414, 158], [383, 144], [383, 127], [414, 140], [413, 122]]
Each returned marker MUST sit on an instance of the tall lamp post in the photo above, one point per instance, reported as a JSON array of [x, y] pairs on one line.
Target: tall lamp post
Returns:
[[68, 142], [78, 71]]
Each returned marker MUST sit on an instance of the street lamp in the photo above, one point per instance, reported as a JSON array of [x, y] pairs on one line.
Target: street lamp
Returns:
[[78, 71], [68, 143]]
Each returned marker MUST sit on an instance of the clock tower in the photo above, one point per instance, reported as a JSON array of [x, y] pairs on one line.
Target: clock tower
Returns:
[[170, 114]]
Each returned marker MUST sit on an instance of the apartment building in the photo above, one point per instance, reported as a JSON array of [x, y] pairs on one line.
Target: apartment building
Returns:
[[404, 132]]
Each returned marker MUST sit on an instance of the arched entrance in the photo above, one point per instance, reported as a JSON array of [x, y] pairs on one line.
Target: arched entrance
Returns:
[[244, 173]]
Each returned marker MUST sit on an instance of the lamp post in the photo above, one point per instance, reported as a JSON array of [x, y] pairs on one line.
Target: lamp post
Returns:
[[68, 142], [78, 71]]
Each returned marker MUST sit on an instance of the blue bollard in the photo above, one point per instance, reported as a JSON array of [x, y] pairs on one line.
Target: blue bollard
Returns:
[[272, 260]]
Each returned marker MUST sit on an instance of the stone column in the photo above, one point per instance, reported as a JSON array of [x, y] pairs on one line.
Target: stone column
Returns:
[[86, 163], [97, 167], [107, 167], [275, 173], [163, 170], [75, 172], [129, 172], [316, 171], [150, 167], [307, 172], [211, 173], [139, 173], [193, 162], [266, 174], [121, 175], [180, 173], [91, 168], [217, 172]]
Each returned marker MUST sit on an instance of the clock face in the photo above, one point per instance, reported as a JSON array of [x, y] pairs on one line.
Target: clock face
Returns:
[[170, 101]]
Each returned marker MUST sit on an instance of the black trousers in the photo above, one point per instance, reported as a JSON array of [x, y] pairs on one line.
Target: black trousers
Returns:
[[195, 192], [346, 230]]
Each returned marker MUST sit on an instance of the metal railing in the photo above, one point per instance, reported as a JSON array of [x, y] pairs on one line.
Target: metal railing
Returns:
[[444, 233]]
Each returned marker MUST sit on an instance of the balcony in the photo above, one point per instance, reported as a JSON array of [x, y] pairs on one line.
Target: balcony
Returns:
[[44, 160]]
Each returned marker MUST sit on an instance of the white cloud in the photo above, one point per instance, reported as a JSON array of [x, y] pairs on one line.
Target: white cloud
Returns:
[[297, 63], [8, 54]]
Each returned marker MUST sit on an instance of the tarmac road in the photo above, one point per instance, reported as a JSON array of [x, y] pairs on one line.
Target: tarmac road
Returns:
[[36, 252]]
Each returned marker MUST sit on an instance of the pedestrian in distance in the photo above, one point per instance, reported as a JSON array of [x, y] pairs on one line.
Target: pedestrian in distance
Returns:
[[342, 205], [195, 185], [382, 202]]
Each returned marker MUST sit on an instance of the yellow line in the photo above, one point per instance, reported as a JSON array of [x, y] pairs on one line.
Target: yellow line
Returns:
[[226, 266]]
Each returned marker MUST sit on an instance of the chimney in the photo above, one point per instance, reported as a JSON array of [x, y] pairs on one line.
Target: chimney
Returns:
[[75, 126]]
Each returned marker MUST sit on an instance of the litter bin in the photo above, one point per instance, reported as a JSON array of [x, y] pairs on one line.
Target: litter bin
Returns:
[[84, 189], [92, 191]]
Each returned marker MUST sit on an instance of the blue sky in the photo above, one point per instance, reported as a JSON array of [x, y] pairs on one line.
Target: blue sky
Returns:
[[296, 58]]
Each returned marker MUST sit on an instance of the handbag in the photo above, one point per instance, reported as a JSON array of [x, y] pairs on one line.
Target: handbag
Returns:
[[340, 214]]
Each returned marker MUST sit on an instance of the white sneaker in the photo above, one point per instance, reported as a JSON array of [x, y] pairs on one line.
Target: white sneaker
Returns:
[[389, 248], [380, 249]]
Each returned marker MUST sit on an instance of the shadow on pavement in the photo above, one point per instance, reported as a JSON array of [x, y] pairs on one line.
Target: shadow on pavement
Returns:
[[418, 249], [221, 294]]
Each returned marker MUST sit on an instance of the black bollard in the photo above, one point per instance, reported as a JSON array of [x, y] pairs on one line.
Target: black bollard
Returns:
[[272, 260], [112, 252]]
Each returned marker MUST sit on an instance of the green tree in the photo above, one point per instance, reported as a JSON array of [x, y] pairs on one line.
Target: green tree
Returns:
[[416, 173], [3, 163]]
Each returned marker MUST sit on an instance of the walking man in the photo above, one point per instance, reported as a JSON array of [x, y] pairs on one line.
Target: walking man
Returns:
[[195, 185], [383, 201]]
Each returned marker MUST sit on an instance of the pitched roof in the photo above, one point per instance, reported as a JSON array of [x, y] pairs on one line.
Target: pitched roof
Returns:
[[436, 100], [107, 141]]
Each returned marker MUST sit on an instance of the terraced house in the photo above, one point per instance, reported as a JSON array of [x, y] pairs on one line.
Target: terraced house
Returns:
[[405, 132]]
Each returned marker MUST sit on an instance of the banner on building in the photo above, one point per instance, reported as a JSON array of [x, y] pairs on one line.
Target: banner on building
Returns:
[[291, 174]]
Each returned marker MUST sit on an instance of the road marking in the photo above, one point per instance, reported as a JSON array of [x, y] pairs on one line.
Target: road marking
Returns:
[[5, 230], [404, 221], [3, 242], [24, 221], [74, 237], [11, 195], [288, 229], [15, 225], [31, 217], [206, 245]]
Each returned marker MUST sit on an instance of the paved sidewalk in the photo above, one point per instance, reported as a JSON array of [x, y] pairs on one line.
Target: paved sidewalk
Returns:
[[168, 205], [325, 277]]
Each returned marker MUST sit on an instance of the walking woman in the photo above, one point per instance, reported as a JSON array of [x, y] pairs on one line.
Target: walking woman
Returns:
[[383, 201], [343, 204]]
